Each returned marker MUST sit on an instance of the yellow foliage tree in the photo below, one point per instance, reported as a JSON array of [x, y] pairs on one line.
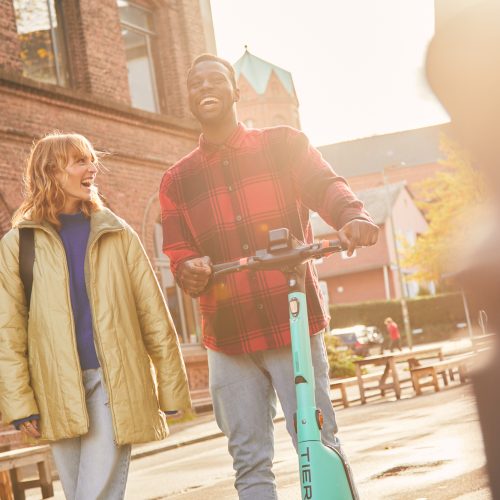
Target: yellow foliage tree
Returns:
[[447, 200]]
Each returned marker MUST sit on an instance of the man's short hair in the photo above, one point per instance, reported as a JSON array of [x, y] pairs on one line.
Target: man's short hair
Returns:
[[212, 57]]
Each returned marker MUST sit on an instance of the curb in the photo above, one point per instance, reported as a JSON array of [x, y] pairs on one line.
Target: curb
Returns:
[[180, 444]]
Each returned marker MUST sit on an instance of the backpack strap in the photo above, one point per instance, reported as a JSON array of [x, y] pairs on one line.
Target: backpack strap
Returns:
[[27, 260]]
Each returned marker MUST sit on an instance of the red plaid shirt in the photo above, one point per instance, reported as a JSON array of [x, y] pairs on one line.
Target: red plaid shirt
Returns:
[[221, 201]]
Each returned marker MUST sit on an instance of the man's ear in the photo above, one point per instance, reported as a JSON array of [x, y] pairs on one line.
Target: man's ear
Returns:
[[236, 95]]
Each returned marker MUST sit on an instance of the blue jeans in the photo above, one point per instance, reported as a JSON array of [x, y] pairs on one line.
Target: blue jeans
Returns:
[[91, 466], [244, 389]]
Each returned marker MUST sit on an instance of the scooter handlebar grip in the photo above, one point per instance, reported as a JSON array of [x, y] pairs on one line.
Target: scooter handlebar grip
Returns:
[[228, 267]]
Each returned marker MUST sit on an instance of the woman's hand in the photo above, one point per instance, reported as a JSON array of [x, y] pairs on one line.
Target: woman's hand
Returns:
[[30, 428]]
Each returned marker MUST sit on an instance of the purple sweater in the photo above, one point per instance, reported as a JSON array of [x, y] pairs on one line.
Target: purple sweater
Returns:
[[74, 233]]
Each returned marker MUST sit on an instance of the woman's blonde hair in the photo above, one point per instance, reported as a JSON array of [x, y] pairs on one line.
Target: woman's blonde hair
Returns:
[[44, 197]]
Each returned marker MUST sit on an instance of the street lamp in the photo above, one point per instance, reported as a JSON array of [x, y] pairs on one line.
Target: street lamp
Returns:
[[404, 305]]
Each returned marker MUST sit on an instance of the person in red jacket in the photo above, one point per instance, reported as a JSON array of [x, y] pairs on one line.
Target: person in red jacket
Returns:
[[394, 335]]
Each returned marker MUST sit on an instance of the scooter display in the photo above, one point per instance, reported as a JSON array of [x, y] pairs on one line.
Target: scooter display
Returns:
[[322, 470]]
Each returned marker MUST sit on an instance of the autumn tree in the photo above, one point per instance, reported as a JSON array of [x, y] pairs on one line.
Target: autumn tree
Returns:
[[448, 200]]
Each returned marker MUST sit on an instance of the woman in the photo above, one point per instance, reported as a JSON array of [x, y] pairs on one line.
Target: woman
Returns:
[[77, 370]]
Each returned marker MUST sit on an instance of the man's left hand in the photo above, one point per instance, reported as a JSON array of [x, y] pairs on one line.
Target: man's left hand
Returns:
[[358, 233]]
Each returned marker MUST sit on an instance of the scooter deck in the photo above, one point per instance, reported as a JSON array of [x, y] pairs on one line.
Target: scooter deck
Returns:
[[322, 473]]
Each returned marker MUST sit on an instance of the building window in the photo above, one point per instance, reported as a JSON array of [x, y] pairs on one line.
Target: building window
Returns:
[[138, 35], [42, 43]]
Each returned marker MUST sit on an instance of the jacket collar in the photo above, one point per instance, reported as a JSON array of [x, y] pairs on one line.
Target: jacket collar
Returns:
[[101, 221], [232, 142]]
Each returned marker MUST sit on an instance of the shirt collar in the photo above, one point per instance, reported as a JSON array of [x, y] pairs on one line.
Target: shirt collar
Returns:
[[232, 142]]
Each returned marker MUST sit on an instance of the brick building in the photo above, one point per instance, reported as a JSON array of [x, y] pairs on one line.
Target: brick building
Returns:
[[114, 71], [267, 94]]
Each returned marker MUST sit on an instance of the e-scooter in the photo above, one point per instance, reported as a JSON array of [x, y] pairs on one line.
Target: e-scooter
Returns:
[[323, 472]]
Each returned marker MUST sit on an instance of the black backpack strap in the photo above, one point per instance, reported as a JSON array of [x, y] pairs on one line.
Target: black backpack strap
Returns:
[[27, 260]]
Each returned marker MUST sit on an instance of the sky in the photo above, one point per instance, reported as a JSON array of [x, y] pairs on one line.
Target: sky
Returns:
[[357, 65]]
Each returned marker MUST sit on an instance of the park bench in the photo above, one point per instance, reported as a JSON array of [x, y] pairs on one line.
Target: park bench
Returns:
[[389, 379], [343, 383], [11, 461], [202, 402], [443, 368]]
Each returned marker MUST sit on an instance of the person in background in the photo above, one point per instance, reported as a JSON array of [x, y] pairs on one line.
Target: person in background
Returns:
[[394, 335], [75, 366], [218, 205]]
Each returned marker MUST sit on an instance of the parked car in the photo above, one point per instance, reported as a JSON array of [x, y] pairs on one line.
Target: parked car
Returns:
[[361, 339]]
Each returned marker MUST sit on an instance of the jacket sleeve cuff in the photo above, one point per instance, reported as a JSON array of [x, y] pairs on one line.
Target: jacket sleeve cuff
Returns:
[[354, 214], [17, 423]]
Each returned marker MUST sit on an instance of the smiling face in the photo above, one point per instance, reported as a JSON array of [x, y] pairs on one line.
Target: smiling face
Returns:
[[212, 94], [77, 180]]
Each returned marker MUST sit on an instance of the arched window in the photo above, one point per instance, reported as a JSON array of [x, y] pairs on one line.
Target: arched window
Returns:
[[184, 310]]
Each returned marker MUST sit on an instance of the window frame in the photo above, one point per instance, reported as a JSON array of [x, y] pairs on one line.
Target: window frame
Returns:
[[62, 75]]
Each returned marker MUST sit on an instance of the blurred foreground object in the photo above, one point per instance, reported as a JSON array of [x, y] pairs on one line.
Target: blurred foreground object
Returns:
[[463, 68]]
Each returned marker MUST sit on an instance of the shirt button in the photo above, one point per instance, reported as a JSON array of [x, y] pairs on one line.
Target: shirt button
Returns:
[[260, 307], [245, 247], [238, 218], [225, 163], [230, 188]]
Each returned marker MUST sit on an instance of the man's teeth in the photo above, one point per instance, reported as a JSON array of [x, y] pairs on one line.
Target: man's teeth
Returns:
[[209, 100]]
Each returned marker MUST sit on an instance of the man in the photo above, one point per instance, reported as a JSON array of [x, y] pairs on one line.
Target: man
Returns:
[[463, 69], [218, 204]]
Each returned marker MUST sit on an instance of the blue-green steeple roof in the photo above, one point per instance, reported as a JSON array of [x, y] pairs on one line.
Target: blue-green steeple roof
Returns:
[[258, 72]]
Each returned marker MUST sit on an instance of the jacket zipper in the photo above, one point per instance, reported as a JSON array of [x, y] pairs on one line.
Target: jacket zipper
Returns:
[[97, 339]]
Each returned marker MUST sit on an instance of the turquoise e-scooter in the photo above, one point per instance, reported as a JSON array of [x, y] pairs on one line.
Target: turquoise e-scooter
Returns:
[[323, 473]]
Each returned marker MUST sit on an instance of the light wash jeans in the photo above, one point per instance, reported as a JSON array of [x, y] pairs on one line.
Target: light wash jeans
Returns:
[[244, 389], [91, 466]]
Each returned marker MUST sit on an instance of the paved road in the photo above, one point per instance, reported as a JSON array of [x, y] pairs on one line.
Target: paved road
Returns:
[[417, 448]]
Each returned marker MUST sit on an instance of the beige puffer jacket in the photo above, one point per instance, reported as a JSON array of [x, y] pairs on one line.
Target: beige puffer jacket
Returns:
[[39, 366]]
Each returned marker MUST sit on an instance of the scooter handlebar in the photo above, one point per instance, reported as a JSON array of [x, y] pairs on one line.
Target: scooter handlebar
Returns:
[[266, 260], [228, 267]]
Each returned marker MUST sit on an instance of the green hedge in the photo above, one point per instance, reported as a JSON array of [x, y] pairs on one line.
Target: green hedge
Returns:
[[436, 315]]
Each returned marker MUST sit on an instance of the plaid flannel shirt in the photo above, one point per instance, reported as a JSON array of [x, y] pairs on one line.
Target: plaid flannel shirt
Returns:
[[221, 201]]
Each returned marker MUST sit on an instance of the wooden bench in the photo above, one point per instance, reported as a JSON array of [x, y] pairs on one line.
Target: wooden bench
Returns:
[[202, 402], [443, 368], [343, 383], [12, 460]]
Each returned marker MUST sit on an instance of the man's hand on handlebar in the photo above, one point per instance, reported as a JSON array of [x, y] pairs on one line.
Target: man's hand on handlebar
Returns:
[[358, 233], [194, 275]]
